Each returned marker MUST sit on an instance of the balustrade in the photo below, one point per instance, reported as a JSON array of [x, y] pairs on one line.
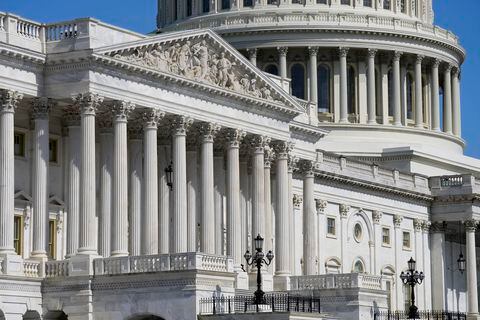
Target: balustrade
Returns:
[[31, 268]]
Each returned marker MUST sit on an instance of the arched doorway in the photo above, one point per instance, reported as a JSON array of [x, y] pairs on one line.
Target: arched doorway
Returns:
[[55, 315], [31, 315], [2, 316]]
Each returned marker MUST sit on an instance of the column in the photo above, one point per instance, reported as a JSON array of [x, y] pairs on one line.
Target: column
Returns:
[[312, 53], [456, 114], [292, 163], [149, 222], [427, 282], [309, 212], [245, 195], [437, 244], [371, 86], [41, 108], [164, 160], [89, 103], [252, 55], [472, 300], [343, 52], [399, 264], [119, 246], [344, 210], [135, 182], [219, 206], [435, 96], [418, 237], [207, 134], [377, 234], [178, 239], [282, 221], [106, 170], [8, 102], [192, 188], [234, 217], [447, 100], [258, 144], [418, 92], [282, 57], [72, 118], [397, 97], [320, 230], [268, 158]]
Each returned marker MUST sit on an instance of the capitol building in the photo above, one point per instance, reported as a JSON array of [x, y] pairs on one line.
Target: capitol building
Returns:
[[136, 170]]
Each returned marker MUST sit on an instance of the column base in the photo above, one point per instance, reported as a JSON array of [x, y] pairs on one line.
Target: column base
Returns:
[[241, 280], [82, 265], [473, 316], [281, 282], [267, 281], [12, 264]]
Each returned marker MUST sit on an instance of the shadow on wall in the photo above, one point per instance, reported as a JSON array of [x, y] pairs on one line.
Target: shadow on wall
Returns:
[[55, 315], [2, 316], [143, 317], [31, 315]]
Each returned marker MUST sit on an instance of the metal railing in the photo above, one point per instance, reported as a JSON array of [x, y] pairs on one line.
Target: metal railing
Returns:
[[245, 304], [428, 315]]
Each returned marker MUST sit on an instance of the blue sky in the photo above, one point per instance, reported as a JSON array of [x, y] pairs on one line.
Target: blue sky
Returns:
[[460, 16]]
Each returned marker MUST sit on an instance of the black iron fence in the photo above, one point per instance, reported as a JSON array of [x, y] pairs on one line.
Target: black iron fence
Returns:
[[424, 315], [273, 303]]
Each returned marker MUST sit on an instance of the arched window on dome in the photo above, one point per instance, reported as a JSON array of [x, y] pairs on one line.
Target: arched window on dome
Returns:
[[322, 2], [272, 69], [298, 80], [189, 8], [272, 2], [351, 89], [425, 99], [441, 104], [225, 4], [387, 5], [367, 3], [205, 5], [409, 89], [297, 1], [323, 87], [390, 93], [248, 3], [378, 93]]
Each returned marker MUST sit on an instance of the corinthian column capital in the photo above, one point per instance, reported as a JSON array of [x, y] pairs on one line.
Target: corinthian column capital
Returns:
[[312, 51], [397, 55], [372, 53], [88, 103], [471, 225], [208, 131], [258, 143], [180, 124], [9, 100], [282, 51], [234, 137], [282, 149], [307, 167], [121, 110], [343, 52], [252, 53], [41, 108], [268, 157], [71, 115], [152, 117]]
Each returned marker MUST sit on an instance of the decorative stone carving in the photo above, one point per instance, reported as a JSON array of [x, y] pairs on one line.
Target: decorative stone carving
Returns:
[[418, 224], [71, 115], [41, 108], [152, 117], [258, 143], [307, 167], [343, 52], [268, 157], [282, 149], [9, 100], [377, 216], [320, 205], [27, 214], [297, 200], [426, 225], [180, 124], [312, 51], [282, 51], [436, 63], [121, 110], [59, 219], [397, 220], [292, 162], [397, 55], [344, 209], [234, 137], [471, 225], [252, 53], [200, 60], [88, 103], [208, 131], [372, 53], [419, 59]]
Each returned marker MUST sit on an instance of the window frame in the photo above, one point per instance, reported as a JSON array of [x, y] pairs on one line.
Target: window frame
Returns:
[[52, 239], [305, 78], [389, 244], [20, 218], [331, 235], [24, 134], [409, 247], [330, 83]]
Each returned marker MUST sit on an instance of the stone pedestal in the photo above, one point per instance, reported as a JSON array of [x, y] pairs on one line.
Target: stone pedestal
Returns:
[[241, 280], [82, 265], [281, 283], [12, 264]]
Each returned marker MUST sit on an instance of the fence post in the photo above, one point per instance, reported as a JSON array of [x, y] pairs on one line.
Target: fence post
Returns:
[[214, 310], [229, 307], [288, 302]]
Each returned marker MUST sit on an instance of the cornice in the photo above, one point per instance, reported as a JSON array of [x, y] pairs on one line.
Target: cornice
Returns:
[[22, 54], [306, 132]]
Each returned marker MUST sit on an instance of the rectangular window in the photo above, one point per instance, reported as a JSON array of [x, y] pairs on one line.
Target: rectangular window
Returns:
[[18, 234], [331, 226], [53, 150], [367, 3], [386, 236], [406, 240], [321, 1], [19, 144], [52, 239], [345, 2]]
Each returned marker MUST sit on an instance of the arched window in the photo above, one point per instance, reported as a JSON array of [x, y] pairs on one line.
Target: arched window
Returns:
[[225, 4], [297, 1], [409, 96], [321, 1], [323, 86], [425, 99], [247, 3], [272, 69], [367, 3], [298, 80], [390, 93], [358, 267], [189, 8], [345, 2], [274, 2], [333, 265], [351, 92], [206, 5], [386, 5]]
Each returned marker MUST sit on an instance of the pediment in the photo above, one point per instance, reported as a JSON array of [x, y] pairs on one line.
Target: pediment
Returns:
[[55, 201], [205, 58], [22, 196]]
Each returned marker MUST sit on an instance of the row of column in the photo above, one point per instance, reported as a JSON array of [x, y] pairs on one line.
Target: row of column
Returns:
[[451, 88]]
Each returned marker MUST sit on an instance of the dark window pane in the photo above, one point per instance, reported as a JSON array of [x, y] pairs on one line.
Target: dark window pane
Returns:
[[351, 90], [390, 93], [298, 81], [409, 96], [206, 5], [272, 69], [323, 83], [225, 4]]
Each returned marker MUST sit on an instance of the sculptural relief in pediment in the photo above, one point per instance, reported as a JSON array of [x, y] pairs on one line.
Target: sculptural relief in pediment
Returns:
[[200, 60]]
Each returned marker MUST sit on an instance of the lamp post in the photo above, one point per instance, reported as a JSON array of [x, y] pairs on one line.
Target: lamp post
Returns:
[[169, 173], [461, 262], [412, 277], [258, 259]]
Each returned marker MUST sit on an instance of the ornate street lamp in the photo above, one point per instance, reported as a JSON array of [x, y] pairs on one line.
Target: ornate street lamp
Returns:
[[412, 277], [461, 262], [258, 260], [169, 173]]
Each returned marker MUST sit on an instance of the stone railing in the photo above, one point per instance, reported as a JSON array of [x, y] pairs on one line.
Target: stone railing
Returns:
[[43, 38], [336, 281], [57, 269], [164, 262], [455, 185], [253, 19], [371, 173], [32, 268]]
